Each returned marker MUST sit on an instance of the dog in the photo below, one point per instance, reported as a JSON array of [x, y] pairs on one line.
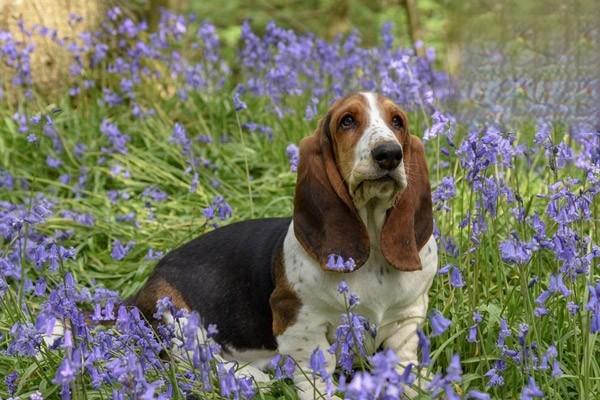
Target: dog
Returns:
[[269, 285]]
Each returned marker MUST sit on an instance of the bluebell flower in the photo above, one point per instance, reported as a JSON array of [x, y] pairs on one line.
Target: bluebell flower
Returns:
[[456, 279], [254, 127], [153, 254], [557, 285], [283, 366], [318, 365], [11, 382], [117, 139], [441, 383], [439, 324], [180, 138], [445, 191], [514, 251], [443, 124], [337, 263], [593, 306], [342, 287], [349, 340], [472, 336], [503, 333], [477, 395], [572, 307], [425, 346], [238, 104], [494, 375], [293, 154], [65, 373], [154, 193], [119, 251], [531, 390]]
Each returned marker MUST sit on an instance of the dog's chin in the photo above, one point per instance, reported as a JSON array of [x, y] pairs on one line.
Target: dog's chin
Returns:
[[384, 189]]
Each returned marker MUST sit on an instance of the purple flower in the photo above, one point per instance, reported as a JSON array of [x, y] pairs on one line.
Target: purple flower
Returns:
[[53, 162], [531, 390], [342, 287], [338, 264], [154, 193], [238, 104], [472, 336], [444, 384], [254, 127], [283, 366], [513, 251], [293, 154], [219, 207], [445, 191], [503, 333], [456, 279], [318, 365], [119, 251], [593, 306], [477, 395], [425, 346], [65, 373], [153, 254], [439, 324], [180, 138], [26, 340], [495, 374], [11, 382], [37, 395], [349, 339], [442, 125], [117, 139]]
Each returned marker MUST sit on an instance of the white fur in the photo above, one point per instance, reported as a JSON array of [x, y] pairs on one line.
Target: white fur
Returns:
[[395, 301]]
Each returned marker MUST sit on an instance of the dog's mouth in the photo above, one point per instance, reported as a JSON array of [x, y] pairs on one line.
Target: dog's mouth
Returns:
[[382, 179], [387, 178]]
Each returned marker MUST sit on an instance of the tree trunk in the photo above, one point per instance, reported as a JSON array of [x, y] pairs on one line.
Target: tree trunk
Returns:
[[49, 61]]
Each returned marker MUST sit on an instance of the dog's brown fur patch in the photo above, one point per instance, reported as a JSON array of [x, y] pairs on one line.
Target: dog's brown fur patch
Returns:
[[284, 301], [154, 290]]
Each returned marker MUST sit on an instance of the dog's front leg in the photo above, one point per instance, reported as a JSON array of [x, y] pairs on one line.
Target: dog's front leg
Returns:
[[404, 340], [299, 341]]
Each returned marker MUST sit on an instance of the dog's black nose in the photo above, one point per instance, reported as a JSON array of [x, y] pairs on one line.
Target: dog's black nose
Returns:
[[387, 155]]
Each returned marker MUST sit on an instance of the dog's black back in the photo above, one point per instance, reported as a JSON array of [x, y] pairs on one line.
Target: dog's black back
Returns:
[[226, 276]]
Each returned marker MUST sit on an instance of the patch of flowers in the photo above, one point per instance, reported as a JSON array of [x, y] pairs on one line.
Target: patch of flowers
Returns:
[[514, 309]]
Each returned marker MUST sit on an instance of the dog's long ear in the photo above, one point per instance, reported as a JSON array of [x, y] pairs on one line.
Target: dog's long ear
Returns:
[[409, 223], [325, 219]]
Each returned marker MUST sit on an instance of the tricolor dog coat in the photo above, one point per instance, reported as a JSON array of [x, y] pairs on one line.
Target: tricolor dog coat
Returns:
[[362, 192]]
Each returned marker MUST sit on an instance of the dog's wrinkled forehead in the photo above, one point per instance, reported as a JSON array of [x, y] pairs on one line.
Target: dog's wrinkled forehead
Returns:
[[377, 130], [365, 114]]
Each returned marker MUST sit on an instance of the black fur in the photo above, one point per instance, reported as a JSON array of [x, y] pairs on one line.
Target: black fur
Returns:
[[226, 275]]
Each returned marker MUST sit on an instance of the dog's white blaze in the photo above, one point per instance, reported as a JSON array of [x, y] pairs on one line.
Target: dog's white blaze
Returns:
[[377, 131]]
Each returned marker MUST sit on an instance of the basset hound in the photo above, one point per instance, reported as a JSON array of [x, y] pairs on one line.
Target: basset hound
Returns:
[[362, 193]]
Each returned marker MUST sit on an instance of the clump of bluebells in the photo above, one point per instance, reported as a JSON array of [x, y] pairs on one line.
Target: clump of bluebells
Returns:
[[517, 295]]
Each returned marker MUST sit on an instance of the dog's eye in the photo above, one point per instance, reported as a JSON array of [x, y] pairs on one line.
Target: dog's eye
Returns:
[[397, 122], [347, 122]]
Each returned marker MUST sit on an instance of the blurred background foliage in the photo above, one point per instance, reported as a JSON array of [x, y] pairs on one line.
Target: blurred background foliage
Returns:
[[448, 26]]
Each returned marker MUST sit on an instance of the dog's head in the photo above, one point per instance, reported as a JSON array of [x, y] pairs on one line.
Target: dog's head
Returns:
[[362, 152]]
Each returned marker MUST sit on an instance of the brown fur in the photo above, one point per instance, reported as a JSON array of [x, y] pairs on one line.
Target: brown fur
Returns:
[[344, 141], [155, 290], [284, 302], [325, 219]]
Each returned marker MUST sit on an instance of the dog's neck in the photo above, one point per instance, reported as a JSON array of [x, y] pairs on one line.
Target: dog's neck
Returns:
[[373, 216]]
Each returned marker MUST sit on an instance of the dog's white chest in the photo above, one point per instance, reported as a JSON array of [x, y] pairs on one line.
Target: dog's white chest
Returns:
[[386, 295]]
